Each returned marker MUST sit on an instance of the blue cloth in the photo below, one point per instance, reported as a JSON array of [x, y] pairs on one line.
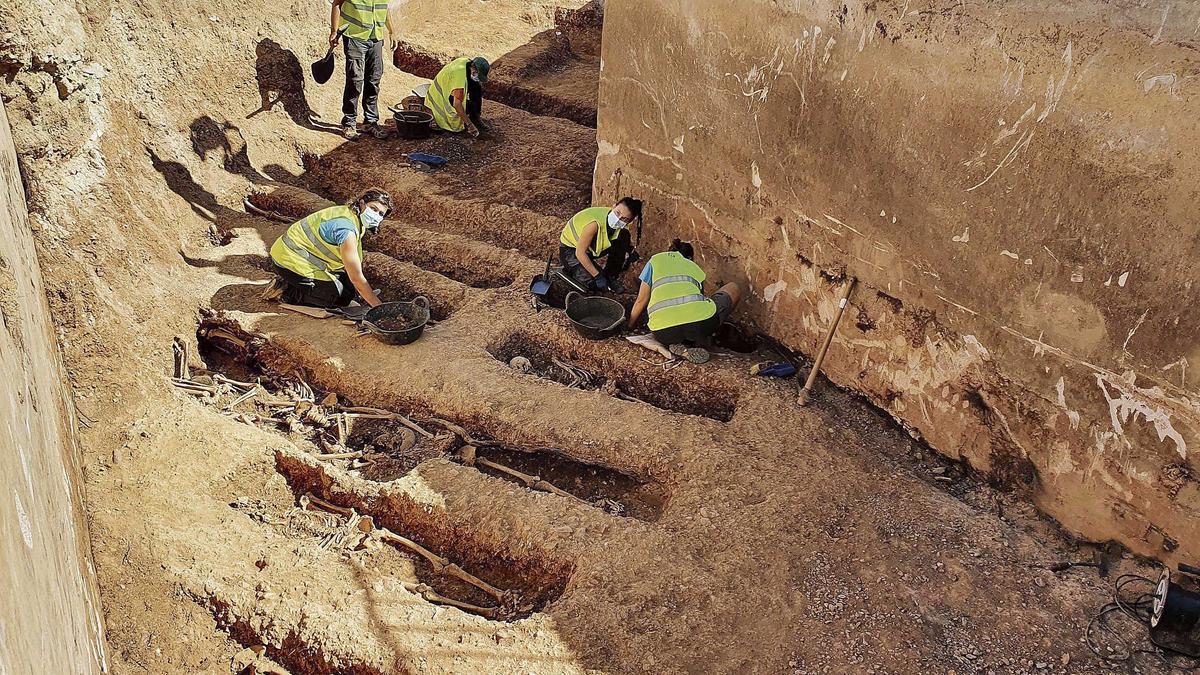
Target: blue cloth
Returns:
[[647, 276], [335, 231]]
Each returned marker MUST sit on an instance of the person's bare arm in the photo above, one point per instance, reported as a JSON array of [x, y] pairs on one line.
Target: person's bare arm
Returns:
[[458, 96], [393, 39], [639, 305], [335, 21], [349, 250], [585, 242]]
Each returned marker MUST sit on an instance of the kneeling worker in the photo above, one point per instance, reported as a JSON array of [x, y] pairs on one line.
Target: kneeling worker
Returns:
[[679, 312], [456, 96], [595, 233], [319, 258]]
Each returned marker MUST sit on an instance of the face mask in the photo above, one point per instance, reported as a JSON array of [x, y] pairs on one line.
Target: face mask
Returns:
[[614, 221], [475, 78], [371, 219]]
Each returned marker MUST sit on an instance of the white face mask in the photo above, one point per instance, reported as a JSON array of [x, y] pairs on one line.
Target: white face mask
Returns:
[[371, 218], [474, 78], [614, 221]]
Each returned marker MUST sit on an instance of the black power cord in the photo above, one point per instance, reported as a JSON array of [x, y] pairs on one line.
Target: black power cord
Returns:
[[1138, 609]]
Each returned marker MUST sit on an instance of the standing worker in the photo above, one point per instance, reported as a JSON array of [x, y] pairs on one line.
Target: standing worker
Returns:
[[680, 315], [456, 95], [361, 24], [595, 233], [318, 260]]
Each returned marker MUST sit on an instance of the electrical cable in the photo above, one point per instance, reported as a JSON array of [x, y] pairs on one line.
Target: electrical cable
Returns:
[[1139, 610]]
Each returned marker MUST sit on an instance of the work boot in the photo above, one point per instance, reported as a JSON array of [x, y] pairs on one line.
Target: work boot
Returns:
[[349, 132], [378, 130]]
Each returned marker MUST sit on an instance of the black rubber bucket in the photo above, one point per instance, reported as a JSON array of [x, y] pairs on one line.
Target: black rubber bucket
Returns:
[[415, 315], [595, 318], [413, 124]]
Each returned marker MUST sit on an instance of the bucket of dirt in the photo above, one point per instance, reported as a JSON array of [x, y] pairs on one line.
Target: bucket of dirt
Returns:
[[398, 323], [413, 124], [595, 318]]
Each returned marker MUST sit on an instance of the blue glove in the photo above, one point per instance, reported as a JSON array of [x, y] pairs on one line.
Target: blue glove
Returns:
[[600, 282]]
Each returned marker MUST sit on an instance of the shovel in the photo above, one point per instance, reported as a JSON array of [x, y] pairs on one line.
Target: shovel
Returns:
[[323, 70]]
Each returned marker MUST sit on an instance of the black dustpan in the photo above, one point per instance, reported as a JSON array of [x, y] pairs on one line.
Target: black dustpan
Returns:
[[540, 285], [323, 70]]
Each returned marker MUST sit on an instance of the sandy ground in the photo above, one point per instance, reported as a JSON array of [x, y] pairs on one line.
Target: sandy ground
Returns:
[[748, 535]]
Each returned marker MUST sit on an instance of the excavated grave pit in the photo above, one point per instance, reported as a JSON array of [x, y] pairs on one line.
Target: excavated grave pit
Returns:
[[594, 484], [554, 74], [537, 579], [457, 263], [462, 260], [388, 450], [402, 281], [293, 652], [689, 393]]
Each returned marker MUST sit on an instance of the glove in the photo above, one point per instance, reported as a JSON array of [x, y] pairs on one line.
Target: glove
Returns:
[[632, 259], [600, 282]]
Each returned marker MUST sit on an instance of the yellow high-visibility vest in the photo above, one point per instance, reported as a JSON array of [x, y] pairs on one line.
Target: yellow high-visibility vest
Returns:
[[452, 76], [364, 20], [575, 226], [302, 250], [676, 292]]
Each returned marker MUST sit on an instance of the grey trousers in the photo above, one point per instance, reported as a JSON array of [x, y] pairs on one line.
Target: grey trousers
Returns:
[[364, 70]]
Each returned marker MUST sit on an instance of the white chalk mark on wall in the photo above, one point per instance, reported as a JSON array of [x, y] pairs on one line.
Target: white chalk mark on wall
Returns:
[[774, 289], [962, 238], [1167, 81], [1136, 326], [23, 521], [1182, 365], [1158, 36], [1129, 404], [1072, 415]]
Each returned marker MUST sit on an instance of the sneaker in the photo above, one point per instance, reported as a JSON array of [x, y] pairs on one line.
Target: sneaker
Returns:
[[378, 130], [349, 132], [274, 290], [696, 355]]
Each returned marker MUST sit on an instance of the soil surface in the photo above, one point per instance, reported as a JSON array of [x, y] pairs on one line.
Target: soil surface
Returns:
[[708, 523]]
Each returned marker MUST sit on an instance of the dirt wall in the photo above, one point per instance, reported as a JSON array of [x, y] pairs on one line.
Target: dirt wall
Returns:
[[1007, 180], [49, 613]]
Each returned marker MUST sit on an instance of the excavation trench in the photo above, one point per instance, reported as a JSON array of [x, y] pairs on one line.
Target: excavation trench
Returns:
[[545, 77], [383, 446], [461, 219], [572, 363], [530, 579], [466, 263], [403, 281], [298, 655], [553, 75]]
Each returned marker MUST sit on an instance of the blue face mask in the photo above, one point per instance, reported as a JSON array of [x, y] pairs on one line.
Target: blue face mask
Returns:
[[371, 219]]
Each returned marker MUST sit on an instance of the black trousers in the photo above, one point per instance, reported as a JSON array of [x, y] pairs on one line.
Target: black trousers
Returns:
[[622, 244], [300, 290], [474, 106], [364, 70]]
